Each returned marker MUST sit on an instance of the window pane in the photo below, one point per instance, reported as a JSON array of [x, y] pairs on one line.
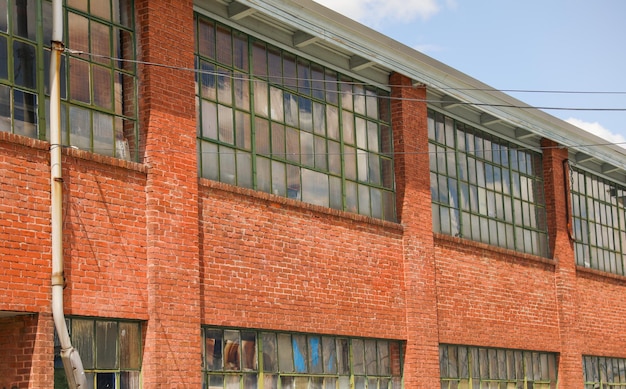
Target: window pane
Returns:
[[213, 340], [270, 362], [106, 345], [232, 350], [24, 65], [249, 351], [358, 361], [130, 341], [315, 188], [83, 341], [285, 355], [315, 354]]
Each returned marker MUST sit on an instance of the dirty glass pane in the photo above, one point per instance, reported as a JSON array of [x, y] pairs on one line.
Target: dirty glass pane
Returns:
[[249, 350], [270, 362], [343, 356], [83, 341], [285, 354], [294, 190], [232, 350], [329, 355], [383, 358], [129, 380], [227, 165], [299, 353], [4, 58], [3, 15], [443, 361], [279, 185], [359, 382], [25, 19], [315, 355], [106, 345], [216, 382], [463, 364], [213, 340], [24, 65], [371, 367], [336, 200], [270, 381], [130, 341], [244, 169], [307, 150], [25, 113], [224, 45], [250, 381], [358, 361], [332, 122], [231, 381]]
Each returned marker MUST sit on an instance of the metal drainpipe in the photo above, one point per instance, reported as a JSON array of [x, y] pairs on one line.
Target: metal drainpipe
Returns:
[[71, 360]]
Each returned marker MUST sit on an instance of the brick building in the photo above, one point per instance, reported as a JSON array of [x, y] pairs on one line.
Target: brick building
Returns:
[[315, 206]]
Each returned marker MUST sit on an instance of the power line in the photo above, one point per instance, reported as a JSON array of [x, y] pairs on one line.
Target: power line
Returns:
[[234, 75]]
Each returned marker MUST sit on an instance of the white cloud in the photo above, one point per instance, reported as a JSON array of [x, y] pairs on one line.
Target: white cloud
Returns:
[[597, 129], [374, 12]]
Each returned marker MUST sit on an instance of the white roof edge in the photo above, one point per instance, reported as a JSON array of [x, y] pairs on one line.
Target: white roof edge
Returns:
[[350, 35]]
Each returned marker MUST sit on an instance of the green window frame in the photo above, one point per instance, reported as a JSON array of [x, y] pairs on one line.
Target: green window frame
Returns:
[[98, 84], [276, 122], [487, 368], [485, 188], [245, 358], [599, 224], [110, 351], [604, 372]]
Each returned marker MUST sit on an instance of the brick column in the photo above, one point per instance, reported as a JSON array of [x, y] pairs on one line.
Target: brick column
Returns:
[[410, 131], [168, 127], [556, 179]]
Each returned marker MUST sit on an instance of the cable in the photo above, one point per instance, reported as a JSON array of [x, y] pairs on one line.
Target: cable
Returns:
[[233, 75]]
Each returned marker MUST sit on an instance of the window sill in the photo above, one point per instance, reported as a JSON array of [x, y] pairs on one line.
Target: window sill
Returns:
[[600, 274]]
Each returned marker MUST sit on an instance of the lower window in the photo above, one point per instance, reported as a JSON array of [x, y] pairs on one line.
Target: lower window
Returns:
[[248, 359], [602, 372], [479, 368], [110, 351]]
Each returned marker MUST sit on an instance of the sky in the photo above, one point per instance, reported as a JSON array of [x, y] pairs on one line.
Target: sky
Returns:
[[530, 45]]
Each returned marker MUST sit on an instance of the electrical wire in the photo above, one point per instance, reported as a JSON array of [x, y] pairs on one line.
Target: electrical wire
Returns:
[[233, 75]]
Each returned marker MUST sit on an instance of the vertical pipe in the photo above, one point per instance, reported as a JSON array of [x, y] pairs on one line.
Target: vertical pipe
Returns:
[[70, 357]]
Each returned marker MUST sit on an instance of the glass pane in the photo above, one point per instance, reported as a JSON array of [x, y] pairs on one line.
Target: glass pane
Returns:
[[224, 45], [25, 19], [213, 341], [279, 185], [216, 382], [129, 380], [24, 65], [358, 362], [383, 358], [336, 199], [105, 380], [24, 113], [261, 100], [248, 348], [263, 175], [206, 38], [315, 188], [79, 80], [210, 160], [80, 129], [299, 353], [130, 346], [285, 355], [83, 341], [343, 356], [225, 122], [329, 355], [244, 169], [232, 350], [315, 354], [106, 345], [3, 15], [371, 367], [269, 352], [103, 133], [4, 58]]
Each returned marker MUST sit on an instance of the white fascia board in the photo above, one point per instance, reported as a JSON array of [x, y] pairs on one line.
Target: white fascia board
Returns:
[[338, 30]]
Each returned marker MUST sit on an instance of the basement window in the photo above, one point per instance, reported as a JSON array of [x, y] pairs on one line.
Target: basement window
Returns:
[[484, 368], [273, 121], [234, 358], [604, 372], [110, 351]]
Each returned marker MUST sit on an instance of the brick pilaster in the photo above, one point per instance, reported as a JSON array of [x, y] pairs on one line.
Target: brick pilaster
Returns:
[[409, 120], [168, 126], [556, 179]]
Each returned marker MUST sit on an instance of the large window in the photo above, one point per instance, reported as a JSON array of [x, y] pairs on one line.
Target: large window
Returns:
[[599, 222], [485, 188], [490, 368], [268, 360], [110, 351], [279, 123], [604, 373], [98, 111]]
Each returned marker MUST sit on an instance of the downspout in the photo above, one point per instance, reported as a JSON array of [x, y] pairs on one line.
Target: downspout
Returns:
[[71, 360]]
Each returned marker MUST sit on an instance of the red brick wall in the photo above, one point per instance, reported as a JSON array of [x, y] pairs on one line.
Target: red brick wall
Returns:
[[27, 344], [275, 263], [494, 297]]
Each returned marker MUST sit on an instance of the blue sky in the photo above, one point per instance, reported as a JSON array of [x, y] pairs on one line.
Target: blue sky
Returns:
[[565, 45]]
